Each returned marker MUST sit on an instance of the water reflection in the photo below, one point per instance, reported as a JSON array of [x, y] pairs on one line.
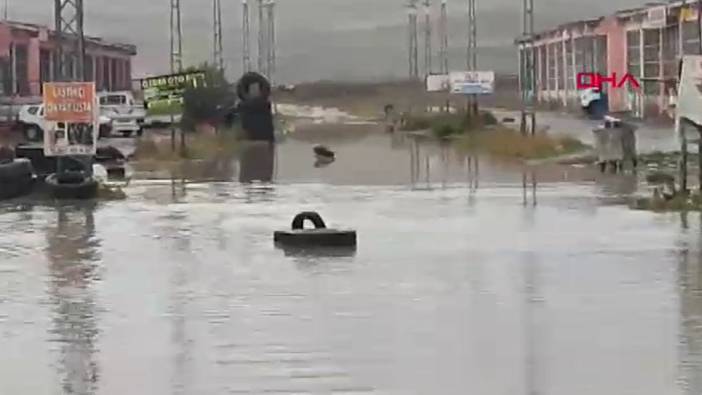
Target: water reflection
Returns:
[[529, 184], [72, 252], [426, 162], [257, 162], [690, 289]]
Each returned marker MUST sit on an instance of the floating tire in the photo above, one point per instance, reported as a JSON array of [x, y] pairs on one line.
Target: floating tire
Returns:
[[320, 236], [250, 78], [16, 178], [72, 185]]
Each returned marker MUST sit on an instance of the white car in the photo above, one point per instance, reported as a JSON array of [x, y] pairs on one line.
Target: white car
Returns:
[[31, 119], [126, 113]]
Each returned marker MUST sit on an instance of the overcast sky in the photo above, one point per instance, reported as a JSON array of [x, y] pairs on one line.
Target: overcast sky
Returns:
[[317, 39]]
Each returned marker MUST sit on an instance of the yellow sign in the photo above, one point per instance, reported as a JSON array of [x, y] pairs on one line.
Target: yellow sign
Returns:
[[688, 14]]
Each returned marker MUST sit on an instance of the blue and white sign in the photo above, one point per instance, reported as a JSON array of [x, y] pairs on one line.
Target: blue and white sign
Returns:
[[472, 82]]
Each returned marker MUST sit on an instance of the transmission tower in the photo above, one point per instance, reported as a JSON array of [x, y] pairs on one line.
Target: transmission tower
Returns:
[[413, 40], [270, 39], [443, 34], [68, 18], [176, 38], [472, 54], [246, 36], [527, 72], [427, 38], [261, 37], [218, 52]]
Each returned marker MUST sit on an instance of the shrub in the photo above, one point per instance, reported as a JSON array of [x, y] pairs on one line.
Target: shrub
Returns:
[[209, 103]]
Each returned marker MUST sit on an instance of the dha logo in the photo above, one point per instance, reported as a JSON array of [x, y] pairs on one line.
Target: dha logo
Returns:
[[596, 80]]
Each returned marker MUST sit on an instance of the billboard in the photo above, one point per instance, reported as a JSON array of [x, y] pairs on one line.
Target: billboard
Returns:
[[438, 83], [71, 115], [69, 101], [472, 82], [163, 95]]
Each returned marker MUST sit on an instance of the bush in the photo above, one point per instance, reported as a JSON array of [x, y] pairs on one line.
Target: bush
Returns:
[[509, 143], [209, 103]]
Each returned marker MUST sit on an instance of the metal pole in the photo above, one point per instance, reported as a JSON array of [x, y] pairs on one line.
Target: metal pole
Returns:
[[699, 129], [527, 71], [246, 37], [261, 38], [176, 60], [427, 38], [473, 49], [217, 49]]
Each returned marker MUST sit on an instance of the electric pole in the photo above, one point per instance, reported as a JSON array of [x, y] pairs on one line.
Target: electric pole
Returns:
[[261, 38], [68, 18], [218, 52], [270, 42], [443, 33], [427, 38], [246, 37], [472, 54], [527, 72], [176, 36], [413, 40], [6, 10], [176, 59]]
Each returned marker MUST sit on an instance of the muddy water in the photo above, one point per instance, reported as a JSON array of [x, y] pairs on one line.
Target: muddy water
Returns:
[[468, 278]]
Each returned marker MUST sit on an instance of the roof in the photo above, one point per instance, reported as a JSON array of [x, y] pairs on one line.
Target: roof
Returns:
[[90, 40]]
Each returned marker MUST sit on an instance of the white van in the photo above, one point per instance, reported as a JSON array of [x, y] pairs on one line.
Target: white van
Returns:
[[126, 113], [31, 120]]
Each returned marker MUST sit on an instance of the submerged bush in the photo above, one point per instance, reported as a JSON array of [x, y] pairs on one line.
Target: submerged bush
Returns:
[[211, 102]]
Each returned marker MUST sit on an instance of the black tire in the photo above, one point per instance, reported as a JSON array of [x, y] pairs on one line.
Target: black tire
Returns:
[[140, 132], [33, 133], [299, 220], [242, 87], [127, 133], [72, 186], [105, 131], [16, 178]]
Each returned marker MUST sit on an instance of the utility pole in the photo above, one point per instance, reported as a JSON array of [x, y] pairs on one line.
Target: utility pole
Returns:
[[427, 38], [472, 53], [270, 42], [261, 38], [413, 40], [527, 72], [246, 37], [218, 52], [68, 18], [6, 10], [443, 32], [176, 59]]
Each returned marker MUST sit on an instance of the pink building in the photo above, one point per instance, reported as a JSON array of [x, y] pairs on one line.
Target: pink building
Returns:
[[646, 43], [28, 57]]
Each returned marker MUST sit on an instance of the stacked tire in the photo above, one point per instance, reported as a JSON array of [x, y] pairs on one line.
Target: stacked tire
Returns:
[[72, 185], [16, 178]]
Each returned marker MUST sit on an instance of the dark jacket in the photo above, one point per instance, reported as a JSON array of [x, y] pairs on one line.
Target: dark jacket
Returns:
[[257, 119]]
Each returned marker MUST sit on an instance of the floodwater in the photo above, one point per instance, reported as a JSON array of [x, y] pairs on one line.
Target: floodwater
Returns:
[[470, 277]]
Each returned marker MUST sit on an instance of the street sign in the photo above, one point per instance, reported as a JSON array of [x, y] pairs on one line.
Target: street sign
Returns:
[[472, 82], [71, 115], [69, 101]]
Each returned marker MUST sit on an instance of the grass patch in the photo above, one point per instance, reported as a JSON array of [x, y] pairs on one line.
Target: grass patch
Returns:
[[509, 143], [676, 203], [198, 147]]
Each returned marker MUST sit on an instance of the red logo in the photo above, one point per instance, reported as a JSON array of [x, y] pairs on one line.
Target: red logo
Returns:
[[596, 80]]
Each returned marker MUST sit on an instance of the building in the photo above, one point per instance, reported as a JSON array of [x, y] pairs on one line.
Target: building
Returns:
[[28, 57], [646, 42]]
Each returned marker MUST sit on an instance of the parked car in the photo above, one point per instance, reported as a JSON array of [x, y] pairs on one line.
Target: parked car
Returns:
[[126, 113], [31, 120]]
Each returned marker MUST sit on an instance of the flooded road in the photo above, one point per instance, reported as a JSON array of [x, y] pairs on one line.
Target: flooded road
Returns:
[[469, 278]]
